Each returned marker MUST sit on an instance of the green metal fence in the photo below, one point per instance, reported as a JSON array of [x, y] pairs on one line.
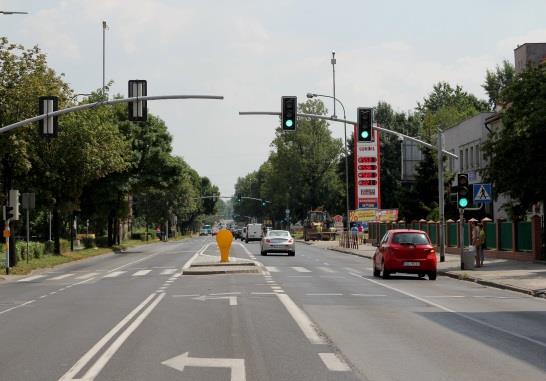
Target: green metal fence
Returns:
[[490, 236], [432, 233], [466, 238], [452, 239], [506, 236], [524, 241], [382, 231]]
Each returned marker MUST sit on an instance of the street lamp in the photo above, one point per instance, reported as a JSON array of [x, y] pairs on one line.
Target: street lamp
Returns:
[[13, 13], [313, 95]]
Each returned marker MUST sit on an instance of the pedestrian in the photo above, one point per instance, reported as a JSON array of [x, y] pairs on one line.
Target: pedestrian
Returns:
[[475, 239], [482, 243]]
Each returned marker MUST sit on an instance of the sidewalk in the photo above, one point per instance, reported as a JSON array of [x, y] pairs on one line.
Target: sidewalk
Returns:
[[520, 276]]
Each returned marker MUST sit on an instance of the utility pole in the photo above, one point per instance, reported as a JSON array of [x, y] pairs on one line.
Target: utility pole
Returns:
[[104, 26], [441, 196]]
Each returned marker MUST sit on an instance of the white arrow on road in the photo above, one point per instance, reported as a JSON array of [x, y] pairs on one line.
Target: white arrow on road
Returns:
[[232, 299], [237, 366]]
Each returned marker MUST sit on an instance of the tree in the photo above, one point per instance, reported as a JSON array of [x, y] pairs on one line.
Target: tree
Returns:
[[515, 152], [498, 80]]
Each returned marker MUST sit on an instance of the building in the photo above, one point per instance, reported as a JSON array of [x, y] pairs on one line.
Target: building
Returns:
[[529, 54]]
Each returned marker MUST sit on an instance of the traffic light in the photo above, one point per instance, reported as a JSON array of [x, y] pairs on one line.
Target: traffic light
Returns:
[[138, 111], [48, 126], [264, 203], [365, 116], [239, 197], [289, 107], [463, 190], [14, 203]]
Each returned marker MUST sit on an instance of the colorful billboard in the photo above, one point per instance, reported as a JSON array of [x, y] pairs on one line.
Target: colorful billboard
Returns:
[[367, 173]]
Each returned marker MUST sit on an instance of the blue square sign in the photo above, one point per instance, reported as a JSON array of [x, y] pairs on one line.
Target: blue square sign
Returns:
[[482, 193]]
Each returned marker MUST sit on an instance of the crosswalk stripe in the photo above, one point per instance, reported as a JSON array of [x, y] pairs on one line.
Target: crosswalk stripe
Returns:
[[141, 272], [272, 269], [60, 277], [326, 269], [301, 269], [31, 278], [114, 274], [168, 271], [87, 276]]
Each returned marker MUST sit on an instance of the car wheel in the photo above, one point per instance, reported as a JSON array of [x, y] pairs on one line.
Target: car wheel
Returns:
[[432, 275], [421, 275], [246, 240], [384, 273], [376, 272], [291, 253], [263, 252]]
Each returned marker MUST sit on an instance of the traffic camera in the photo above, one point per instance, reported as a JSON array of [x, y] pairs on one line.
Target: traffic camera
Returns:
[[289, 107], [365, 118]]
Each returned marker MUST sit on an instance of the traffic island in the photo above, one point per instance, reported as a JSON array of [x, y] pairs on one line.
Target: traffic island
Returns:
[[208, 264]]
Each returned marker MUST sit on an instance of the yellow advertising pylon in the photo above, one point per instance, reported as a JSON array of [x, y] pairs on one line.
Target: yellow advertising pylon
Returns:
[[224, 239]]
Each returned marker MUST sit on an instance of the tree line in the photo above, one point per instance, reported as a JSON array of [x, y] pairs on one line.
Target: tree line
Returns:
[[100, 167]]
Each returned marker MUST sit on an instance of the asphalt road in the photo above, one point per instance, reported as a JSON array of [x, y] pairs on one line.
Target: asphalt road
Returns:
[[317, 316]]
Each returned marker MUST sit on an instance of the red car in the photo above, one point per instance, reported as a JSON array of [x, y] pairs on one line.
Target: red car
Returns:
[[405, 251]]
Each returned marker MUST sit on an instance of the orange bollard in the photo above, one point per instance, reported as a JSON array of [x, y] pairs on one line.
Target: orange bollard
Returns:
[[224, 239]]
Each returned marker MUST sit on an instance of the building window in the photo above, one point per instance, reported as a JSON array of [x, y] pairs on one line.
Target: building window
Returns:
[[478, 156], [461, 157], [471, 157], [466, 158]]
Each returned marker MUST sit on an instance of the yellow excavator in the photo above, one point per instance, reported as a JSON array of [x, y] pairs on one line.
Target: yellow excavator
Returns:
[[319, 226]]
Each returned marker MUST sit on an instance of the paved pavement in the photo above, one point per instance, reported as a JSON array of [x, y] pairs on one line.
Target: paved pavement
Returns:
[[521, 276]]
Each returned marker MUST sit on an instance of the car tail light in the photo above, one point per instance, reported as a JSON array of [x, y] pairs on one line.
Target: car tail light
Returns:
[[290, 240], [268, 240], [430, 253]]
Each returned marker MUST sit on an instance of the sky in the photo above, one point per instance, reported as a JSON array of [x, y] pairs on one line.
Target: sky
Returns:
[[253, 52]]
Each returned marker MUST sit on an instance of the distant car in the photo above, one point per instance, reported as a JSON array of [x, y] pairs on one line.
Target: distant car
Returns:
[[405, 251], [253, 232], [205, 230], [278, 241], [215, 231]]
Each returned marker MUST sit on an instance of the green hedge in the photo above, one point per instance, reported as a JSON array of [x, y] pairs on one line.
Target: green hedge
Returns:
[[35, 250]]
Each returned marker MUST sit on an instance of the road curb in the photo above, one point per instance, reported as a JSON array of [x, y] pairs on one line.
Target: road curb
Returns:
[[502, 286]]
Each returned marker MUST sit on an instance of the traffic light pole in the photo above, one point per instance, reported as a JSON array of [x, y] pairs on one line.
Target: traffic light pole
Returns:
[[88, 106], [441, 197]]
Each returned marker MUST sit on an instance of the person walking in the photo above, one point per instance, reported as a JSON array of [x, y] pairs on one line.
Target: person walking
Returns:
[[481, 238], [475, 239]]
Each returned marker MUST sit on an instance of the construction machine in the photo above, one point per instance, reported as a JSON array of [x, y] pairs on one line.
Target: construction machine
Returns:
[[319, 226]]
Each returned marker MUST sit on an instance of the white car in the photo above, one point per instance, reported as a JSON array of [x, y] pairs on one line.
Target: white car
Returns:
[[278, 241]]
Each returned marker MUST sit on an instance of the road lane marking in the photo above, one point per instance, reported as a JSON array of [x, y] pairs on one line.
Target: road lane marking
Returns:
[[460, 314], [272, 269], [19, 306], [102, 361], [60, 277], [168, 272], [301, 319], [87, 276], [300, 276], [232, 299], [203, 248], [444, 296], [324, 294], [114, 274], [237, 366], [262, 293], [326, 269], [31, 278], [142, 272], [301, 269], [370, 295], [184, 296], [333, 362], [139, 260], [226, 293]]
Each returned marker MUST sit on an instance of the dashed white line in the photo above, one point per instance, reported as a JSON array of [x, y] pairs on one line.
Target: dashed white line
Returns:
[[301, 319], [114, 274], [333, 362], [324, 294], [168, 272], [272, 269], [301, 269], [142, 272], [326, 269], [87, 276], [31, 278], [60, 277]]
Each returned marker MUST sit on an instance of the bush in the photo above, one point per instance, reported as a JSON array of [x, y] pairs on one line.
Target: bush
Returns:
[[101, 241], [65, 246], [49, 247], [89, 243], [35, 250]]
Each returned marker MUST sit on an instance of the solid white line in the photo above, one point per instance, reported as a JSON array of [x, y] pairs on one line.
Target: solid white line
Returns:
[[168, 271], [272, 269], [82, 362], [199, 252], [107, 355], [370, 295], [279, 291], [276, 287], [299, 276], [301, 319], [262, 293], [326, 269], [20, 305], [226, 293], [142, 272], [183, 296], [31, 278], [333, 362], [537, 342], [301, 269], [444, 296], [114, 274], [87, 276], [60, 277]]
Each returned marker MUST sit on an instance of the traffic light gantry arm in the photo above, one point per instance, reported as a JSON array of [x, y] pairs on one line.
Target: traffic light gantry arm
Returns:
[[324, 117]]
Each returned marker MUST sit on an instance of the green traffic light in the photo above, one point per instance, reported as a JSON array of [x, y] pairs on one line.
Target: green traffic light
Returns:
[[289, 123], [463, 202], [364, 134]]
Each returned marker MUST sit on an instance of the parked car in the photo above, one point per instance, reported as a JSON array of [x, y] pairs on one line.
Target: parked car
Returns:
[[278, 241], [405, 251]]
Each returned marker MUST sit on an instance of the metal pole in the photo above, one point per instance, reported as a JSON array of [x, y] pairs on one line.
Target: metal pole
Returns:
[[103, 58], [6, 228], [441, 196], [28, 234], [49, 215], [461, 235], [333, 61], [346, 170]]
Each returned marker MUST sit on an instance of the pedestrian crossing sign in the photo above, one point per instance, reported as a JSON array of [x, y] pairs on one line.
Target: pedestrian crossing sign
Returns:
[[482, 193]]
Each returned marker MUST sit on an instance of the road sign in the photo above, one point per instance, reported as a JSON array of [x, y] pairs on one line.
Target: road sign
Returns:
[[482, 193], [7, 233]]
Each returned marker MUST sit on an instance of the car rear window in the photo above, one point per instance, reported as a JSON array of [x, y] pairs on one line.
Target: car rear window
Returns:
[[278, 233], [411, 238]]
